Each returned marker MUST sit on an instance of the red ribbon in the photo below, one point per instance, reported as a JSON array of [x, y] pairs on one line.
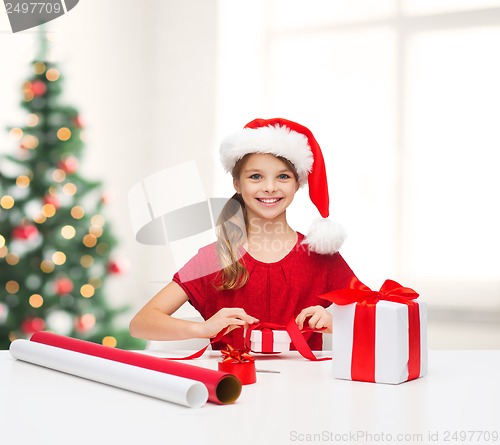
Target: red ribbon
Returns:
[[199, 353], [267, 340], [363, 350], [296, 336]]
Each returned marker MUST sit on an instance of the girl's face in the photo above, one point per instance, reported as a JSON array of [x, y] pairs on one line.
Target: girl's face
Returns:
[[267, 186]]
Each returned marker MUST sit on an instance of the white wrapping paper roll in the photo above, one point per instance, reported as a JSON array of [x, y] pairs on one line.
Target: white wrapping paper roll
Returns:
[[180, 390]]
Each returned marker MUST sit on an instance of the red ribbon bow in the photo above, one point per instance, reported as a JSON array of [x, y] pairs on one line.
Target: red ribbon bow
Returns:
[[239, 363], [357, 292], [235, 355], [363, 350]]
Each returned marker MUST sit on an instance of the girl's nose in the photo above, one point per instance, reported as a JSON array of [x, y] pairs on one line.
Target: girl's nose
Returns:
[[270, 186]]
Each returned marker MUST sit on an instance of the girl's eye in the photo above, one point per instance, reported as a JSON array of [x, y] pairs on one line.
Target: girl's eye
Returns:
[[255, 176], [284, 176]]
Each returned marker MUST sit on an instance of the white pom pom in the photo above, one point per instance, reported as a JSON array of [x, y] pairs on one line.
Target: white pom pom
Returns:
[[325, 236]]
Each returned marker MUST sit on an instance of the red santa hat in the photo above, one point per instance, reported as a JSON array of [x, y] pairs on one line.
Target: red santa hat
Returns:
[[296, 143]]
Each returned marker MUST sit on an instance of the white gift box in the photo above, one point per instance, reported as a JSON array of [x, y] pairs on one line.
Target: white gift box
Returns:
[[281, 341], [391, 341]]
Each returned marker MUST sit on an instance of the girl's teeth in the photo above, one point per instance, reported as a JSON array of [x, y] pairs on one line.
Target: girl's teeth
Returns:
[[268, 201]]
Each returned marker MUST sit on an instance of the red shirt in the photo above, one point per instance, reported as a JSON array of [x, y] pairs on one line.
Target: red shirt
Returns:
[[274, 292]]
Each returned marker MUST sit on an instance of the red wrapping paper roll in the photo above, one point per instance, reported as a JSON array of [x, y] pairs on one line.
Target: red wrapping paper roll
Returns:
[[223, 388]]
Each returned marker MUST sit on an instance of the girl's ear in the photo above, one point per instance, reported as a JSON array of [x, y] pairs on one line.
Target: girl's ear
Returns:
[[236, 185]]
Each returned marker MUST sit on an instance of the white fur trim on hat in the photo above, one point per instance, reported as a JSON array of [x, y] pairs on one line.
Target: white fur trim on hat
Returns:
[[325, 236], [277, 140]]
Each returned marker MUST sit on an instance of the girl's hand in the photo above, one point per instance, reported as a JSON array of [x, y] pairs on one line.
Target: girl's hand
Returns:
[[319, 319], [229, 317]]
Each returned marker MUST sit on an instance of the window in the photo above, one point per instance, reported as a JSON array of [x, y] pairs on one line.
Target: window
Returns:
[[404, 99]]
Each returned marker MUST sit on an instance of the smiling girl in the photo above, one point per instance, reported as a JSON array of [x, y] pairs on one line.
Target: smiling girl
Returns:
[[260, 269]]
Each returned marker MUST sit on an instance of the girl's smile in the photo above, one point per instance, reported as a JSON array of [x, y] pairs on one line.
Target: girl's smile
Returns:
[[269, 201]]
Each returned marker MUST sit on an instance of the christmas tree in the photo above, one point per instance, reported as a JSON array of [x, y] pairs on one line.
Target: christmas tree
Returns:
[[56, 248]]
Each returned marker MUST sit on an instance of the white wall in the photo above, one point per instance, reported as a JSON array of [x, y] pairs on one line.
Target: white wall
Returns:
[[142, 74]]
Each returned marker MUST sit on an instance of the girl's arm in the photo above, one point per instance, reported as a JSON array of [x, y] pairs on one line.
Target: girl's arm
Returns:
[[155, 322]]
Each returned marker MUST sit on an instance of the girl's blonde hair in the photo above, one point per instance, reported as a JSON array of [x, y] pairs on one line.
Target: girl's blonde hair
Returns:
[[231, 232]]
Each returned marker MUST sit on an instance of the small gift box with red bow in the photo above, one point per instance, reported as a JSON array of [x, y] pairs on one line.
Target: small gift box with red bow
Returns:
[[269, 341], [272, 338], [239, 363], [378, 336]]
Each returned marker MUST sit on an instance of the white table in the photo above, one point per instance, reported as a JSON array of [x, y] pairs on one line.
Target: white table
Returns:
[[302, 404]]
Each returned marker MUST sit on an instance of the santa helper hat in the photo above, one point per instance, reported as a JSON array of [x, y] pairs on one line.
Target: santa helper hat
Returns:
[[296, 143]]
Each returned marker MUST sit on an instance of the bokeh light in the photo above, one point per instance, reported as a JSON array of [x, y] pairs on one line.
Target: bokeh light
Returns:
[[87, 291], [77, 212], [89, 240], [49, 210], [87, 261], [32, 120], [30, 142], [97, 220], [52, 75], [36, 300], [58, 175], [69, 189], [12, 287], [12, 259], [109, 341], [47, 266], [68, 232], [16, 133], [39, 67], [59, 258], [64, 133], [7, 202], [23, 181]]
